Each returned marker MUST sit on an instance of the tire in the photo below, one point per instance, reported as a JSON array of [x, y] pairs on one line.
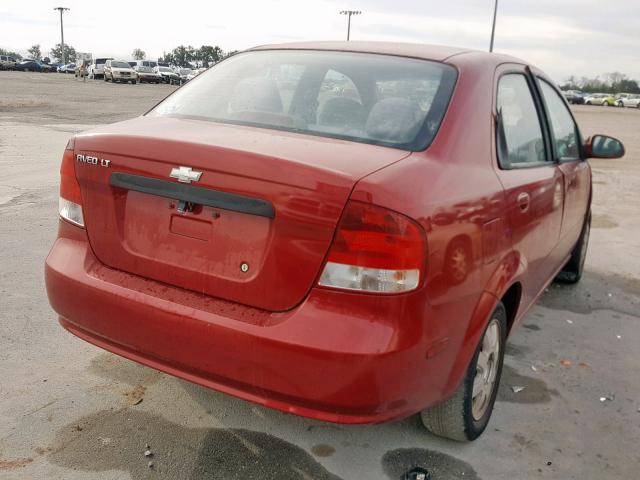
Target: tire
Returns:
[[572, 271], [457, 418], [133, 82], [587, 103]]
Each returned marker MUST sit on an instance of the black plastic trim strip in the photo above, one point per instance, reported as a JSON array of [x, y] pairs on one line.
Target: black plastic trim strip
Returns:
[[189, 193]]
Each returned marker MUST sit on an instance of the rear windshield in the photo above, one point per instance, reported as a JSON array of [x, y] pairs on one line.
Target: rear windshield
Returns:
[[379, 99]]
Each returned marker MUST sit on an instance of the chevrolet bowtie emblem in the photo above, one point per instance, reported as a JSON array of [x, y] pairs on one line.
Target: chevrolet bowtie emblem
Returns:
[[185, 174]]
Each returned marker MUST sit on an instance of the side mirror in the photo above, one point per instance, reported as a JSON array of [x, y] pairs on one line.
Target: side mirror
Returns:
[[603, 146]]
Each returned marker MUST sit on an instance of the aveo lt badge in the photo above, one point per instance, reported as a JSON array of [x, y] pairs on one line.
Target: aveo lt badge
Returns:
[[103, 162]]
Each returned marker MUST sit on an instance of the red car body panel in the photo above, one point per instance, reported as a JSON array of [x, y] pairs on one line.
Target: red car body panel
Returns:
[[323, 353]]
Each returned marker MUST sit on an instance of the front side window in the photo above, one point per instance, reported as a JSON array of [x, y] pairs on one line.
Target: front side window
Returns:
[[520, 138], [379, 99], [565, 137]]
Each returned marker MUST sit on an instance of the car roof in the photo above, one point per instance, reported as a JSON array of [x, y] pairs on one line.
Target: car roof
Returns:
[[439, 53]]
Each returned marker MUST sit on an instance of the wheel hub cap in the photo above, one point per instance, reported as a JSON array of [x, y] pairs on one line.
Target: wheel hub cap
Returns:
[[486, 370]]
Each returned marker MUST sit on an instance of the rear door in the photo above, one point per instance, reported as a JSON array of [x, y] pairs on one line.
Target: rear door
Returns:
[[532, 181], [565, 148]]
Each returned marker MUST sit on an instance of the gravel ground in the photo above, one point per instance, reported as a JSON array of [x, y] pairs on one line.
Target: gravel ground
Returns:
[[71, 411]]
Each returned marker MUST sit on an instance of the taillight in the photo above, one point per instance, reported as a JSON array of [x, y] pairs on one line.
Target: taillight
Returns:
[[70, 202], [375, 250]]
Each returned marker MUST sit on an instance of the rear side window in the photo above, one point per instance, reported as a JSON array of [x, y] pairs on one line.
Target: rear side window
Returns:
[[520, 138], [565, 137], [379, 99]]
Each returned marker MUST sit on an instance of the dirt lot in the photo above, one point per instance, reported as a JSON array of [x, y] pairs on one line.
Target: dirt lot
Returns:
[[71, 411]]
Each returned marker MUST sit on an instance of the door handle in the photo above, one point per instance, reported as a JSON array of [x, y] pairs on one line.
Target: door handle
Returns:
[[524, 200]]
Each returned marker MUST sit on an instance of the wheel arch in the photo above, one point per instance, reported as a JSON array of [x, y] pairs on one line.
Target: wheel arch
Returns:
[[503, 285], [511, 301]]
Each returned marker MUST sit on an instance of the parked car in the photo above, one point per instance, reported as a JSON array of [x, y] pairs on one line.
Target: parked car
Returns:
[[629, 100], [68, 68], [185, 74], [119, 71], [350, 260], [147, 74], [604, 99], [7, 62], [96, 69], [168, 75], [574, 97], [33, 66], [146, 63]]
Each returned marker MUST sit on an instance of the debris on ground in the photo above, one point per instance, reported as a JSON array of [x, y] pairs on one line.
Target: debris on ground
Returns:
[[569, 321], [517, 388], [618, 337], [150, 464], [534, 368], [565, 363], [135, 395], [608, 398], [148, 453], [584, 365]]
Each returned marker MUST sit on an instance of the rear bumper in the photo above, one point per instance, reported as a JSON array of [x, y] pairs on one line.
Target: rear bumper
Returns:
[[359, 364]]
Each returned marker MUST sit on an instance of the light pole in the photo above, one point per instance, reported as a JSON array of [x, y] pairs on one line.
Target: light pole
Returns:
[[349, 13], [62, 9], [493, 28]]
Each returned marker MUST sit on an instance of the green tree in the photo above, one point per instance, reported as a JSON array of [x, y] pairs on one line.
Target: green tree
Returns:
[[69, 53], [183, 55], [138, 54], [9, 53], [166, 58], [207, 55], [35, 52]]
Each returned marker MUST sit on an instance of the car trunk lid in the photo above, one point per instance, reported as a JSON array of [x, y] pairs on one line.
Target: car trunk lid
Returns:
[[253, 228]]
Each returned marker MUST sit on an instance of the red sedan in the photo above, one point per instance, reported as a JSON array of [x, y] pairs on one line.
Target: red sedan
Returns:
[[344, 231]]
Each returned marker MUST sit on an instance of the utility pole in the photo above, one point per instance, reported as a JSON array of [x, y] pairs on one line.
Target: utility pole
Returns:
[[349, 13], [493, 28], [62, 9]]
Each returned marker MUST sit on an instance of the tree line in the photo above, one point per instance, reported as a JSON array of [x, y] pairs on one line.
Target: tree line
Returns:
[[181, 55], [615, 82]]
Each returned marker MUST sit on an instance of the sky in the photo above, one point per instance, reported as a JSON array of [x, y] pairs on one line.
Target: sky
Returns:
[[562, 37]]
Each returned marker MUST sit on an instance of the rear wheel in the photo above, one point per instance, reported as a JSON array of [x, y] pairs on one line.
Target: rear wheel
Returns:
[[572, 271], [465, 415]]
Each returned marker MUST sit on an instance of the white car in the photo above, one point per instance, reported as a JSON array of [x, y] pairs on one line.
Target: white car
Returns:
[[119, 71], [7, 62], [96, 69], [168, 75], [628, 100], [603, 99]]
